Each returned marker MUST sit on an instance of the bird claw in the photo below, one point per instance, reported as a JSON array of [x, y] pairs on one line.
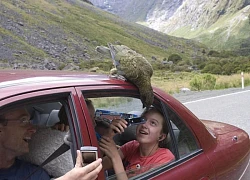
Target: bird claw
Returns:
[[116, 76]]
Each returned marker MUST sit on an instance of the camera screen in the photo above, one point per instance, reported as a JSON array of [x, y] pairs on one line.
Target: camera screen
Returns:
[[89, 156]]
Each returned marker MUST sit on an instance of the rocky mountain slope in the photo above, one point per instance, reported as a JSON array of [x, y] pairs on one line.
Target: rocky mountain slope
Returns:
[[220, 24], [45, 34]]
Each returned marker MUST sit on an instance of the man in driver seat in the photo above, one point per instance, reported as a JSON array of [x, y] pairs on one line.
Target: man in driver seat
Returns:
[[15, 132]]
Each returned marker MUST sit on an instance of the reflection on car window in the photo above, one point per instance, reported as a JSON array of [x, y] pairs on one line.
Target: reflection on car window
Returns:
[[186, 142]]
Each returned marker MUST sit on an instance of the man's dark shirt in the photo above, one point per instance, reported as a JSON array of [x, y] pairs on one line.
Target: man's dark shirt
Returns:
[[22, 170]]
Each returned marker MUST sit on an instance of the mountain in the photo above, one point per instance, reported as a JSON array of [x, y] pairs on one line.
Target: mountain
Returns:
[[131, 10], [220, 24], [45, 34]]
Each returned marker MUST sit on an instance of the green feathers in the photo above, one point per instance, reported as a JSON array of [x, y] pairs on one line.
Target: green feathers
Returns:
[[135, 68]]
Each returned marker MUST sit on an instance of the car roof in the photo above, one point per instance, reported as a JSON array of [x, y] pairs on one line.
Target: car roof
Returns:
[[12, 81], [10, 75]]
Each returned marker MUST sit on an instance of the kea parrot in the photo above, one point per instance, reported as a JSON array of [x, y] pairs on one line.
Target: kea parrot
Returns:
[[134, 67]]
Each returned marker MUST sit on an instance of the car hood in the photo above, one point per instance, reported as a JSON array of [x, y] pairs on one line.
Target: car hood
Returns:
[[219, 128]]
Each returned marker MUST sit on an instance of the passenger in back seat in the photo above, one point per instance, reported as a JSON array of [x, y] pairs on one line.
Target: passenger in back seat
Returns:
[[101, 128], [16, 131]]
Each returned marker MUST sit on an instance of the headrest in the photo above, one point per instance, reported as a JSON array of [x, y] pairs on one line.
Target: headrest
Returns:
[[53, 118], [137, 113], [47, 120]]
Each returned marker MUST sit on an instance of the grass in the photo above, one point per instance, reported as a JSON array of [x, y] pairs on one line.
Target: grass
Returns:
[[232, 81], [173, 82], [170, 82]]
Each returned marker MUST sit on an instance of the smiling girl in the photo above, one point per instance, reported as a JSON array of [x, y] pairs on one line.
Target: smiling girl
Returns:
[[142, 154]]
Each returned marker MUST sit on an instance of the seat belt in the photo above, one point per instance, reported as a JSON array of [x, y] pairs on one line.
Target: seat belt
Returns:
[[62, 149]]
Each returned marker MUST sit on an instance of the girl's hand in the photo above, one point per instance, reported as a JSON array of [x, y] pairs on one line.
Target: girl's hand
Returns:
[[118, 125], [109, 148]]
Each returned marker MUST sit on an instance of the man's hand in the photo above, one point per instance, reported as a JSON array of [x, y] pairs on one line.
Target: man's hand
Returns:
[[88, 172]]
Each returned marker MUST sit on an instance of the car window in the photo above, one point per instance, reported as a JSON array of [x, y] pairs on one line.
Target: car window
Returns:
[[46, 113], [118, 104], [185, 140], [181, 143], [107, 108]]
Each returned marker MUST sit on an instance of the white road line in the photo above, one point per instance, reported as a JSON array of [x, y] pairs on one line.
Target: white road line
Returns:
[[216, 97], [244, 170]]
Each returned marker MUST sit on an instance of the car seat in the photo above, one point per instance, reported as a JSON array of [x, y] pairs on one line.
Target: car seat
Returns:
[[45, 141]]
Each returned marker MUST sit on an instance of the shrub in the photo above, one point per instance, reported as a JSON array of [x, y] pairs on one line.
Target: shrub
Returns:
[[212, 68], [175, 58], [213, 53], [196, 83], [61, 66], [247, 82], [208, 82], [203, 82], [228, 69]]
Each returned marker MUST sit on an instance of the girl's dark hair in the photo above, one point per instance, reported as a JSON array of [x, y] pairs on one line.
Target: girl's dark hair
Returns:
[[163, 143]]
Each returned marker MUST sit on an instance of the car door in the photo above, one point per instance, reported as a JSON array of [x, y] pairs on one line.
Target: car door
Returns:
[[191, 162], [45, 107]]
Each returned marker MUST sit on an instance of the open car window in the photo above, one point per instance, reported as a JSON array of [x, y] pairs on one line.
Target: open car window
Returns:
[[46, 112], [181, 143], [118, 104], [108, 108]]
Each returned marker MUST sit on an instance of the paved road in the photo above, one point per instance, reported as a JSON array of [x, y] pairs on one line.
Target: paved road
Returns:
[[230, 106]]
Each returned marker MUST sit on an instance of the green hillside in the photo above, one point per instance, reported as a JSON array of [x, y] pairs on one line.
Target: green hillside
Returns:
[[222, 27], [230, 32], [63, 32]]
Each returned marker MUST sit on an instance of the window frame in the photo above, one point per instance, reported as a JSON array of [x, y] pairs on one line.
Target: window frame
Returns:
[[45, 96], [110, 91]]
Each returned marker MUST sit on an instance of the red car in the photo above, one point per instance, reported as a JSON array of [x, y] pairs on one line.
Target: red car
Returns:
[[203, 149]]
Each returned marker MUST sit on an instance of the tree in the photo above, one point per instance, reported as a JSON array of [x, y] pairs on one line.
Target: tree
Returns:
[[228, 68], [212, 68], [175, 58], [203, 52], [214, 53]]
